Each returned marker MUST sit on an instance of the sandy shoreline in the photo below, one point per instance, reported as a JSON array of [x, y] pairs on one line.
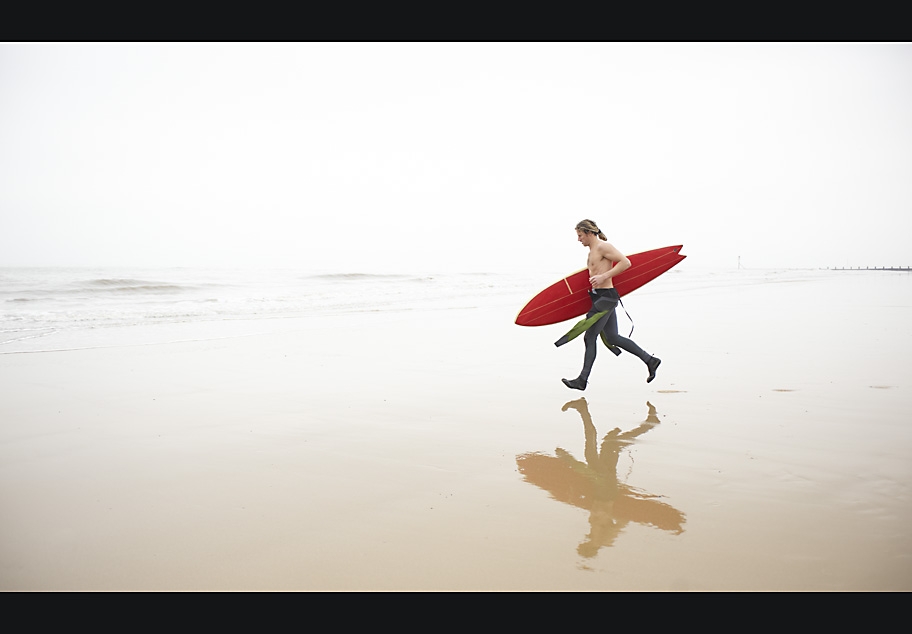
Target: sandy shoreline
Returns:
[[384, 452]]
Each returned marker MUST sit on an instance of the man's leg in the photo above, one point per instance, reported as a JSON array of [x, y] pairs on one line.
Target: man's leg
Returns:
[[612, 336], [591, 340]]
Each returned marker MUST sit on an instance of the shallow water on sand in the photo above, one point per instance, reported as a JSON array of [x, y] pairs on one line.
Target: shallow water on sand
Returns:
[[435, 448]]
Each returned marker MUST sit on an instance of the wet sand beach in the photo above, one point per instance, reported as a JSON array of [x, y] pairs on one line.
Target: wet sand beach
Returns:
[[438, 450]]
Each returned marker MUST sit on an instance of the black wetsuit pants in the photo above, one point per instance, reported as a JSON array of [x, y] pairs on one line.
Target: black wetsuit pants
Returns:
[[606, 299]]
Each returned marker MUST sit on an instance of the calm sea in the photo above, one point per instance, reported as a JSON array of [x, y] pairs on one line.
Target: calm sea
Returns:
[[48, 309], [43, 309]]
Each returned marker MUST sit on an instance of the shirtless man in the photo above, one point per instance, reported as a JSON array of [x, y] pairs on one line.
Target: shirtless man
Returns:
[[604, 262]]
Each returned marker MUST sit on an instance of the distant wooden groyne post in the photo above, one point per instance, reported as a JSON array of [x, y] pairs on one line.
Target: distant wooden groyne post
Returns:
[[869, 268]]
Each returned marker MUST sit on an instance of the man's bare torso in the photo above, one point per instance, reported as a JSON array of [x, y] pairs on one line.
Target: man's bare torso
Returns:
[[598, 264]]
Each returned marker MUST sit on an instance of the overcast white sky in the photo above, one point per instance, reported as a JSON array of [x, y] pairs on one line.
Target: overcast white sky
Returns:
[[453, 157]]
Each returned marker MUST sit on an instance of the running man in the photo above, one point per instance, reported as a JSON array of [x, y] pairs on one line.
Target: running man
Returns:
[[604, 262]]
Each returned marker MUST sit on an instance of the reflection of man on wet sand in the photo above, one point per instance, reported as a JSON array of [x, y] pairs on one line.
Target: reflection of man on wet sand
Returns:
[[593, 485]]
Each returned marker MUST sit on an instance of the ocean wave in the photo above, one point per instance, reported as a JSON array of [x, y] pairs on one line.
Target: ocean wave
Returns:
[[357, 276], [395, 277], [7, 336], [151, 288], [117, 281], [127, 285]]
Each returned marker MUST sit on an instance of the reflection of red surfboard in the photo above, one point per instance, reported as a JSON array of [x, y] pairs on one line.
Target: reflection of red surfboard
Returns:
[[569, 297]]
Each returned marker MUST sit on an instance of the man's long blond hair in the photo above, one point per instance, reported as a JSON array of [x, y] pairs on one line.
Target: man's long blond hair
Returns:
[[589, 226]]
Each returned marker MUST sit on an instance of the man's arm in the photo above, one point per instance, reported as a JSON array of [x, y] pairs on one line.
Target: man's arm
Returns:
[[621, 263]]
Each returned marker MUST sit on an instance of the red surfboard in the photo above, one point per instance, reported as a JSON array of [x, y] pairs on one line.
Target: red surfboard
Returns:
[[569, 297]]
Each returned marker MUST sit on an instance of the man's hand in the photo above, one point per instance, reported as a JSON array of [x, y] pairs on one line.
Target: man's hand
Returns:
[[597, 280]]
